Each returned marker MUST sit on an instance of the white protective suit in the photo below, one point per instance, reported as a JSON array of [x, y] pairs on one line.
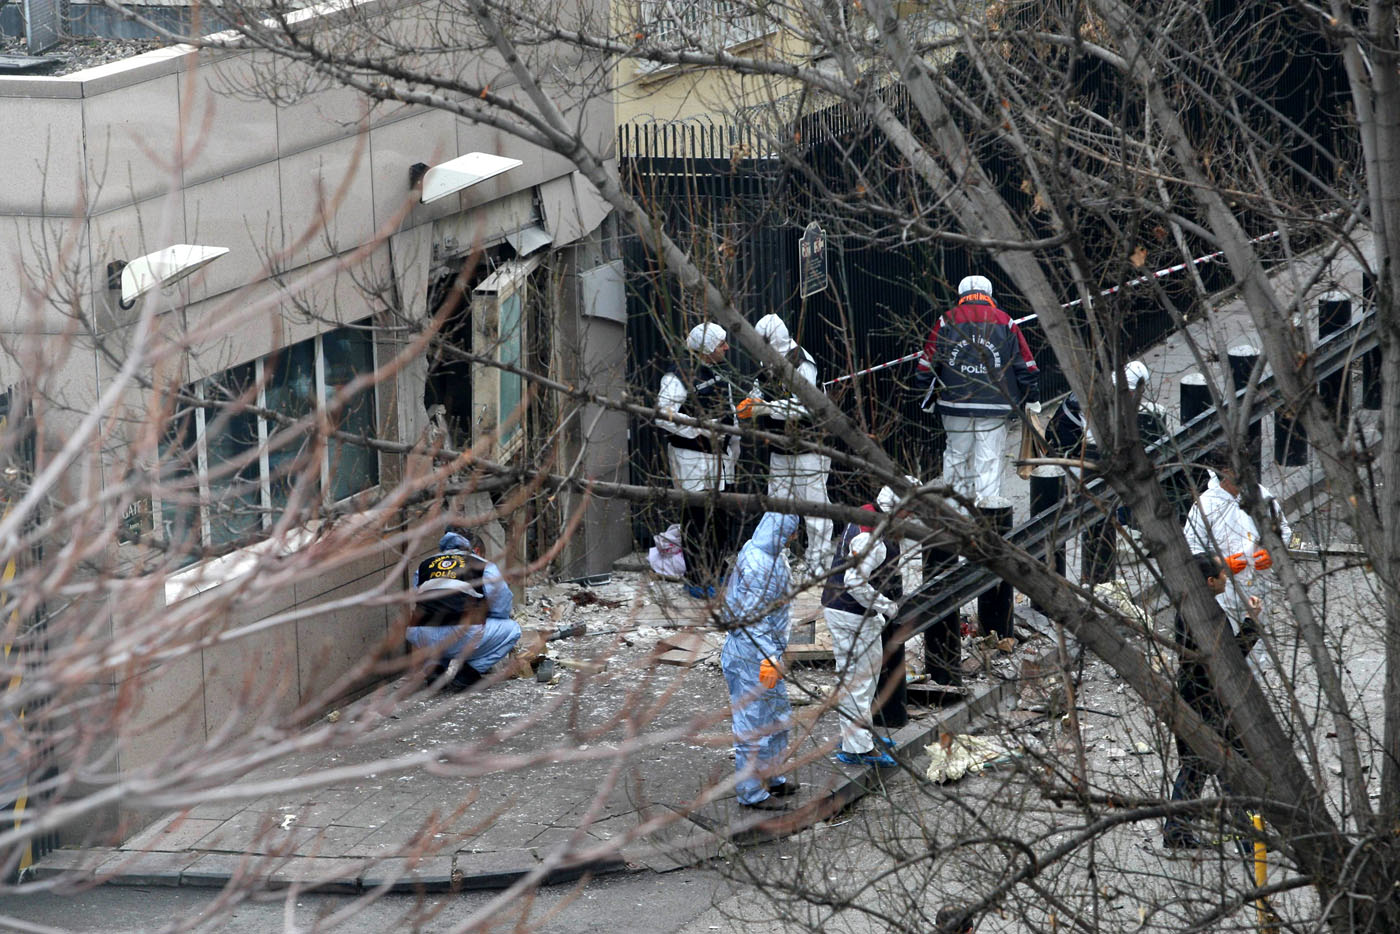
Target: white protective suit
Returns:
[[758, 603], [1218, 524], [797, 475], [855, 637], [697, 471]]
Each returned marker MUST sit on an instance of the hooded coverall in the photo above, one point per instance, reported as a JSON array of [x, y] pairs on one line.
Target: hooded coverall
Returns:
[[859, 605], [757, 604], [700, 461], [484, 644], [792, 472], [1218, 524]]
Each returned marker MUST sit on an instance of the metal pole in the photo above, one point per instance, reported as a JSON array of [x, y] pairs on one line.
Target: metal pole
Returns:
[[1243, 358], [1333, 315], [1371, 360], [1047, 493], [1195, 397], [942, 640], [994, 606]]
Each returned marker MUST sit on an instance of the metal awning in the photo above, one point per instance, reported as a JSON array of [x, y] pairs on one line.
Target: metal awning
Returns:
[[527, 240]]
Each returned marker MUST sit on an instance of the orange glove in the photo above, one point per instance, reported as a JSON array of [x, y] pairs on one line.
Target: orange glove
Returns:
[[1236, 563], [1263, 560], [745, 408], [769, 674]]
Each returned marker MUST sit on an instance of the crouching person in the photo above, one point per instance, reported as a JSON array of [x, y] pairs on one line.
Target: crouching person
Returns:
[[462, 612], [757, 604]]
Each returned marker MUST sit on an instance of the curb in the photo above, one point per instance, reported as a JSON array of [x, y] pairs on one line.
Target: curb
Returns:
[[468, 871], [856, 783]]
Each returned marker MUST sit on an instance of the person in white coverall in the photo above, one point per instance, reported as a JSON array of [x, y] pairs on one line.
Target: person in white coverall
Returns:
[[870, 574], [701, 460], [792, 472], [758, 607], [1218, 524]]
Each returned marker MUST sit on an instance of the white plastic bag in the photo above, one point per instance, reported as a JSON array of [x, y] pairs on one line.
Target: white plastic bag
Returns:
[[665, 556]]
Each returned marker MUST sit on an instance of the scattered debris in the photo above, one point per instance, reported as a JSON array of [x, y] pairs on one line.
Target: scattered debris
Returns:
[[954, 756], [589, 598]]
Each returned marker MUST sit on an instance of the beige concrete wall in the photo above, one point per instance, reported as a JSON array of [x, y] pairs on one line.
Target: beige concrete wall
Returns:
[[120, 160]]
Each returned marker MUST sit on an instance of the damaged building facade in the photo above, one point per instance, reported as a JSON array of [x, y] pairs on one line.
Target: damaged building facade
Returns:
[[328, 266]]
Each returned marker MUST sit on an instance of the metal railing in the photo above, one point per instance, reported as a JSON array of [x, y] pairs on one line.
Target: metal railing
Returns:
[[946, 592]]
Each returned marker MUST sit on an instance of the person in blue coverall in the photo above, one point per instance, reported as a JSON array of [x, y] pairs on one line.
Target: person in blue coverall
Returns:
[[757, 603], [463, 609]]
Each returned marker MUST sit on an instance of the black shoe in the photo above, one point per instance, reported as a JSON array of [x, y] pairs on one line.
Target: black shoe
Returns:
[[465, 679], [769, 803], [433, 679], [788, 787], [1176, 837]]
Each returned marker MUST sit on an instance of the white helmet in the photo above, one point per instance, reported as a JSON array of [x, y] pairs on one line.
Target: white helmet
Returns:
[[887, 499], [1136, 373], [772, 329], [975, 284], [706, 338]]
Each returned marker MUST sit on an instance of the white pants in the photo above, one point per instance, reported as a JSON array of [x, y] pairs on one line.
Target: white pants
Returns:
[[803, 476], [698, 471], [974, 455], [855, 643]]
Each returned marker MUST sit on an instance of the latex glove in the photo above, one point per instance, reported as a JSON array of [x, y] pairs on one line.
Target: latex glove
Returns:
[[1263, 560], [1236, 562], [751, 407], [1033, 408], [769, 674]]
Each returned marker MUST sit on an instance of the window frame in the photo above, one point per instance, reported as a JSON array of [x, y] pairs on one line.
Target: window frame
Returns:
[[511, 280], [207, 491]]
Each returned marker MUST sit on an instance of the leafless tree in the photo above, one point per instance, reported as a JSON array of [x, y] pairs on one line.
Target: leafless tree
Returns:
[[1075, 146]]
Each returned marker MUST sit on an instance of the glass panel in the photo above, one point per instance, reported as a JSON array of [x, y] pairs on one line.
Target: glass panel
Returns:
[[512, 345], [177, 486], [349, 352], [291, 391], [231, 443]]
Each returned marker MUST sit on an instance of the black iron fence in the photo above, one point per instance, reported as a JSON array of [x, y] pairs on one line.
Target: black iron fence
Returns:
[[740, 212]]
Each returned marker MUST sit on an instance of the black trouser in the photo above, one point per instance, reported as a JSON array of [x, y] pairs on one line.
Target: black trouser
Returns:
[[706, 543], [1191, 777], [943, 639], [891, 694]]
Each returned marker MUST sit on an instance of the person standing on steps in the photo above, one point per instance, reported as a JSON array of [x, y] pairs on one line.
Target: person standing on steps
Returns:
[[859, 603], [976, 369], [793, 473], [701, 460], [1194, 684]]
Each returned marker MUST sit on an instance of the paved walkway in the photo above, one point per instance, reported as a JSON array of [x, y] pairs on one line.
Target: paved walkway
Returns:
[[601, 771]]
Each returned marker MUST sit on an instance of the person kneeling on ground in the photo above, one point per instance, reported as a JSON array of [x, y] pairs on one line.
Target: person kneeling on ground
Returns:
[[757, 605], [462, 611]]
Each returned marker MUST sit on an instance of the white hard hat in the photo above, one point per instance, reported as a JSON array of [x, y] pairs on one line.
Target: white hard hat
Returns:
[[1136, 373], [887, 499], [706, 338], [975, 284], [772, 329]]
